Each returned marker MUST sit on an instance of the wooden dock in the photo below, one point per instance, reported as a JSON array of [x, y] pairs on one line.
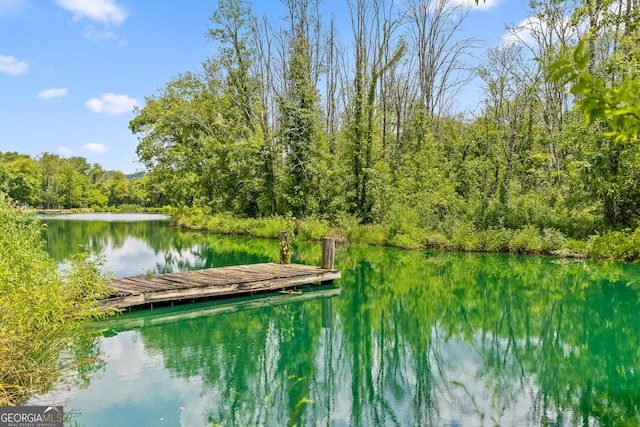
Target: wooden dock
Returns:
[[213, 282]]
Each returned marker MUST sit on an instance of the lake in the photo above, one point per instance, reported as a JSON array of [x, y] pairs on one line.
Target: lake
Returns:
[[403, 339]]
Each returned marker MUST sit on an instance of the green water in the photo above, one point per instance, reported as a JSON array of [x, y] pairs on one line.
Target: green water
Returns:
[[403, 339]]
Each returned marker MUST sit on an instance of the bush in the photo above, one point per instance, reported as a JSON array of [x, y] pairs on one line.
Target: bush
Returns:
[[553, 240], [465, 238], [313, 229], [41, 309], [526, 241], [369, 234], [270, 227], [616, 245], [435, 241], [407, 241], [496, 239], [347, 226]]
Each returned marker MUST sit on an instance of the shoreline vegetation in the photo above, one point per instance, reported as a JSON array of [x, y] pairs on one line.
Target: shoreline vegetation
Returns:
[[461, 236], [616, 246], [42, 310]]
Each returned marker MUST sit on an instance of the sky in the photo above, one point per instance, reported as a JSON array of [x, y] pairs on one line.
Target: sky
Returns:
[[72, 71]]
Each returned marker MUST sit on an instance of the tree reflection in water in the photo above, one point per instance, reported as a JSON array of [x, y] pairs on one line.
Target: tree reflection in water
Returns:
[[412, 339]]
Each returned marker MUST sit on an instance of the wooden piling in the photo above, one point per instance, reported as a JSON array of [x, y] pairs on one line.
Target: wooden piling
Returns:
[[285, 247], [328, 251]]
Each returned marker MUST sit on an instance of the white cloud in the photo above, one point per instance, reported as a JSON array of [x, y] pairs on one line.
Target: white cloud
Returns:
[[97, 36], [481, 5], [111, 103], [525, 31], [52, 93], [106, 11], [532, 29], [65, 151], [94, 148], [12, 66]]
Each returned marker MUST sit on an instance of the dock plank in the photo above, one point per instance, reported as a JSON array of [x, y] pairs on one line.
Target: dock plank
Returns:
[[213, 282]]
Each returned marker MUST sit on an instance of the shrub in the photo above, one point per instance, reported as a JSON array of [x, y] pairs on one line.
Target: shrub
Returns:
[[435, 241], [616, 245], [371, 234], [465, 238], [553, 240], [496, 239], [41, 309], [407, 241], [270, 227], [347, 226], [313, 229], [526, 241]]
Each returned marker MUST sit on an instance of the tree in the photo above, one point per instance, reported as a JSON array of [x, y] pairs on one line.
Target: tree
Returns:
[[98, 187], [51, 180], [233, 31], [509, 106], [299, 116], [371, 64], [602, 74], [243, 76], [606, 85], [547, 32], [119, 189], [435, 33], [74, 189], [22, 179]]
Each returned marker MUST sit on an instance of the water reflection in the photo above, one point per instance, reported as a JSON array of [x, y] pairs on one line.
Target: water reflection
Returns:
[[147, 246], [408, 339]]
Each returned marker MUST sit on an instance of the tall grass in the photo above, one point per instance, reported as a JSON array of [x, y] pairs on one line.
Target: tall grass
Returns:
[[41, 308], [458, 235]]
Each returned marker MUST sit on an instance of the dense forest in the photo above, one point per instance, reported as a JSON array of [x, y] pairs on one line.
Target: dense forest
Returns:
[[295, 117], [308, 117]]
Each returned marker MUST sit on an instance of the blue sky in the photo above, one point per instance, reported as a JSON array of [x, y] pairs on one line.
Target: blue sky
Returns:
[[71, 71]]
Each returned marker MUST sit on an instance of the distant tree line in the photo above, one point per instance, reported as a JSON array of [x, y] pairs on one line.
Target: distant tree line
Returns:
[[49, 181]]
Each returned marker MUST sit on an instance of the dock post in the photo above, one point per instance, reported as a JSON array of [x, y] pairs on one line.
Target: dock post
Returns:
[[328, 250], [285, 247]]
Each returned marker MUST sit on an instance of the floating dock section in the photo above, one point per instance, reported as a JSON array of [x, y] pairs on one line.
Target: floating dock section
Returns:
[[189, 286], [213, 282]]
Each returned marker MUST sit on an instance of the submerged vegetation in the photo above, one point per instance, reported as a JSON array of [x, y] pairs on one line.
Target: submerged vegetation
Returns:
[[41, 308]]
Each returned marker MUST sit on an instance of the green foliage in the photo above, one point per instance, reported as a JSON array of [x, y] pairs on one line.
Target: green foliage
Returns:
[[553, 240], [299, 129], [616, 245], [41, 309], [271, 227], [496, 239], [619, 105], [526, 241], [52, 182], [313, 229], [465, 238], [245, 138]]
